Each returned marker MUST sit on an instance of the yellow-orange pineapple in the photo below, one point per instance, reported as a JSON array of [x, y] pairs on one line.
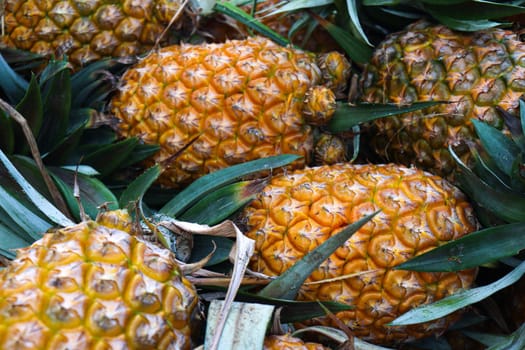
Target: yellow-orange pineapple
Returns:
[[86, 30], [231, 103], [299, 210], [95, 286]]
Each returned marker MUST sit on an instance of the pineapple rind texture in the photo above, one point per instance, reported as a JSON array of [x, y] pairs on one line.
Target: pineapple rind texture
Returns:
[[286, 341], [231, 103], [86, 30], [474, 73], [95, 286], [299, 210]]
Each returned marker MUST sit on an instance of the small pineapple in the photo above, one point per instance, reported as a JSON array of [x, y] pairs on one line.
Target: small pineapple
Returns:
[[473, 73], [95, 285], [87, 30], [224, 104], [299, 210]]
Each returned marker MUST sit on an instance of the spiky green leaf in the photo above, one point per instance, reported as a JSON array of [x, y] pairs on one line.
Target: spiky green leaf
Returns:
[[140, 153], [7, 133], [28, 221], [353, 11], [211, 182], [11, 240], [22, 61], [138, 187], [222, 203], [507, 205], [347, 116], [93, 194], [476, 10], [455, 302], [475, 249], [63, 149], [461, 24], [40, 201], [57, 107], [356, 49], [32, 109], [11, 84], [109, 157], [514, 341], [502, 150], [94, 83]]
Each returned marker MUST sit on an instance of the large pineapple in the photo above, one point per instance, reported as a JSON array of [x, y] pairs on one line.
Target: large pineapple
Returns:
[[227, 103], [86, 30], [95, 286], [474, 73], [299, 210]]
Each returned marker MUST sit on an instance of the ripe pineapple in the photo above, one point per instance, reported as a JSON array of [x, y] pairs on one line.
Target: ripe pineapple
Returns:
[[95, 285], [286, 341], [228, 103], [86, 30], [476, 73], [297, 211]]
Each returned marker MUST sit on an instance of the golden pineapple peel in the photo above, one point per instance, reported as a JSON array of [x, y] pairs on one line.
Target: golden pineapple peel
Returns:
[[227, 103], [95, 286], [299, 210], [87, 30]]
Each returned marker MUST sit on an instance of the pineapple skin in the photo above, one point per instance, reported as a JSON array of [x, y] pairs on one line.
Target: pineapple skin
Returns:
[[287, 341], [299, 210], [95, 286], [476, 73], [228, 103], [86, 30]]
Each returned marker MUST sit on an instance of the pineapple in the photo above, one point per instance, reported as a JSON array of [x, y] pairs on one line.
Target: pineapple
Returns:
[[474, 73], [287, 341], [95, 285], [87, 30], [298, 210], [215, 105]]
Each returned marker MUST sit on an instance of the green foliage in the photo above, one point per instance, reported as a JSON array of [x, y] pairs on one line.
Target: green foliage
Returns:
[[61, 107]]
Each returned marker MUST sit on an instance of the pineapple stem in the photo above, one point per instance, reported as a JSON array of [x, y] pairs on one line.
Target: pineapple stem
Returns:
[[53, 190]]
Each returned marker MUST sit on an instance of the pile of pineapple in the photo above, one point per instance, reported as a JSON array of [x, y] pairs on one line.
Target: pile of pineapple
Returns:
[[128, 124]]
